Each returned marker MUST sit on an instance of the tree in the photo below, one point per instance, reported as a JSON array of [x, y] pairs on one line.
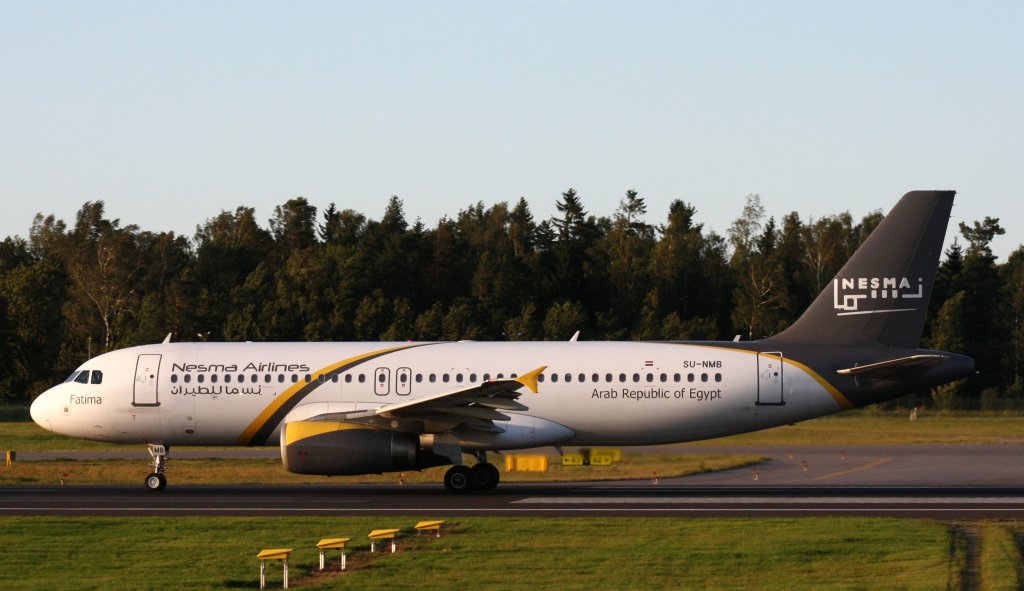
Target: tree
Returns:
[[103, 262], [986, 334], [294, 225]]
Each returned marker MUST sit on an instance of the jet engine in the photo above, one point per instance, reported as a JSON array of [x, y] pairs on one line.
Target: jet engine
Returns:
[[332, 448]]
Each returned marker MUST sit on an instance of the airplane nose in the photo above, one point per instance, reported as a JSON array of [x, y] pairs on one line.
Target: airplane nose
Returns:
[[42, 408]]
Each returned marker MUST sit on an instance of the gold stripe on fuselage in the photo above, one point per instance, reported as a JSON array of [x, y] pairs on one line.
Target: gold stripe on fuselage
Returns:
[[246, 437]]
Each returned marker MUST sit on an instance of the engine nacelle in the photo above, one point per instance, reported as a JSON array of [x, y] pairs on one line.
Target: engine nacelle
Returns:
[[332, 448]]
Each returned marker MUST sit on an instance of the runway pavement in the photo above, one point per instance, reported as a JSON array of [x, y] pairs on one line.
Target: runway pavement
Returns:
[[931, 481]]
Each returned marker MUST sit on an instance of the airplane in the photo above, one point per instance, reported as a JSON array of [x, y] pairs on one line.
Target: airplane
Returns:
[[360, 408]]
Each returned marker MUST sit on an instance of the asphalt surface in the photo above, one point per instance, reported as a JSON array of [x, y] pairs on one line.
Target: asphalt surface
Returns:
[[930, 481]]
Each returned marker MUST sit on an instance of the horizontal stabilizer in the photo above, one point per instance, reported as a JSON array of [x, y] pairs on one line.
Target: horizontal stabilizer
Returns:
[[895, 368]]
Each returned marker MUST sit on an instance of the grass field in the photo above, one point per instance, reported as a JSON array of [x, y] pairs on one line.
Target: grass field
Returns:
[[858, 427], [507, 553]]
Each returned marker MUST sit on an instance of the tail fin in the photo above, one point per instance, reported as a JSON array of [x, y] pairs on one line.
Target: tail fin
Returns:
[[881, 294]]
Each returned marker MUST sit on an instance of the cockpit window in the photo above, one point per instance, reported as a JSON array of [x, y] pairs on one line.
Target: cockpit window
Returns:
[[82, 378], [71, 377], [97, 377]]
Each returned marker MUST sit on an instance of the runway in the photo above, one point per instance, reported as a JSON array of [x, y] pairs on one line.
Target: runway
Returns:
[[929, 481], [516, 500]]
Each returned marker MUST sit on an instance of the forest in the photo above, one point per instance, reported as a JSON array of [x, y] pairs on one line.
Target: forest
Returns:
[[72, 290]]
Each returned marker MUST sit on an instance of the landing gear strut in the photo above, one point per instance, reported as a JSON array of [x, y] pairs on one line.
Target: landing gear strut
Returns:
[[156, 481]]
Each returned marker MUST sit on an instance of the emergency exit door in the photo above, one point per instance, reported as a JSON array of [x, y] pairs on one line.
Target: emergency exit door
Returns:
[[147, 368], [769, 379]]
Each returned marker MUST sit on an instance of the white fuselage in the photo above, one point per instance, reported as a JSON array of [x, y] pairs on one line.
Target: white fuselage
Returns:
[[592, 393]]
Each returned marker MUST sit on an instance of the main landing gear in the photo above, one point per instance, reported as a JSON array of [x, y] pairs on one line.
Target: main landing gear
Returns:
[[156, 481], [463, 479]]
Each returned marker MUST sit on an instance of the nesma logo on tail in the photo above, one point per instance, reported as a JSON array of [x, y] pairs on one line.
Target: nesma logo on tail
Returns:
[[848, 294]]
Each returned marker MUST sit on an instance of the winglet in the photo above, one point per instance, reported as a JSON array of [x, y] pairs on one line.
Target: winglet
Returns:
[[530, 379]]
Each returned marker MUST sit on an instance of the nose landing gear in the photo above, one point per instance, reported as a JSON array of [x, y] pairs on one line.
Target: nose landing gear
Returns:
[[156, 481]]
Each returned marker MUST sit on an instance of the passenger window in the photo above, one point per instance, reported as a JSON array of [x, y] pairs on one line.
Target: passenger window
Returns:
[[295, 378], [664, 378], [650, 378], [201, 378], [348, 378], [501, 376], [334, 378], [444, 378], [540, 378], [458, 378], [83, 377], [472, 378], [636, 377], [187, 377], [718, 377], [320, 378], [362, 378], [513, 375], [280, 378], [568, 377], [254, 378], [676, 377], [487, 377], [583, 377], [381, 378], [622, 377], [227, 378], [596, 377], [267, 378], [703, 377], [213, 378], [432, 378], [607, 377], [419, 378], [689, 377], [174, 378]]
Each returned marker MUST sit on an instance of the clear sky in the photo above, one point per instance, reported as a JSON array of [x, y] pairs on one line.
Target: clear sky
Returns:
[[173, 111]]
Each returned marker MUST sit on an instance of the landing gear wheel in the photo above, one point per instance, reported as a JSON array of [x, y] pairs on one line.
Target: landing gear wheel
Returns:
[[485, 476], [156, 481], [459, 480]]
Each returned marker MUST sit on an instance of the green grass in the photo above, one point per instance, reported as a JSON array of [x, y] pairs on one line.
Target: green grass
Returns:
[[872, 428], [1000, 559], [493, 553], [270, 471]]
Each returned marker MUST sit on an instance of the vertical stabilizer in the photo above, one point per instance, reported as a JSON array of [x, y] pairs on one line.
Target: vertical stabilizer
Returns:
[[881, 295]]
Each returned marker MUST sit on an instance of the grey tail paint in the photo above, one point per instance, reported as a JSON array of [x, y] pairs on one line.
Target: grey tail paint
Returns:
[[880, 297]]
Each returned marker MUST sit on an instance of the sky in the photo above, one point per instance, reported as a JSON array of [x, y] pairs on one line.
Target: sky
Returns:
[[172, 112]]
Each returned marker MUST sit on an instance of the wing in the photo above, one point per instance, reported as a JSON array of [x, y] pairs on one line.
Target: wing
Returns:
[[477, 407]]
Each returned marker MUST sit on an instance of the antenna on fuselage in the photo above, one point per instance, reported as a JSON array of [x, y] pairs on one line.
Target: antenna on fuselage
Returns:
[[575, 337], [167, 338]]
